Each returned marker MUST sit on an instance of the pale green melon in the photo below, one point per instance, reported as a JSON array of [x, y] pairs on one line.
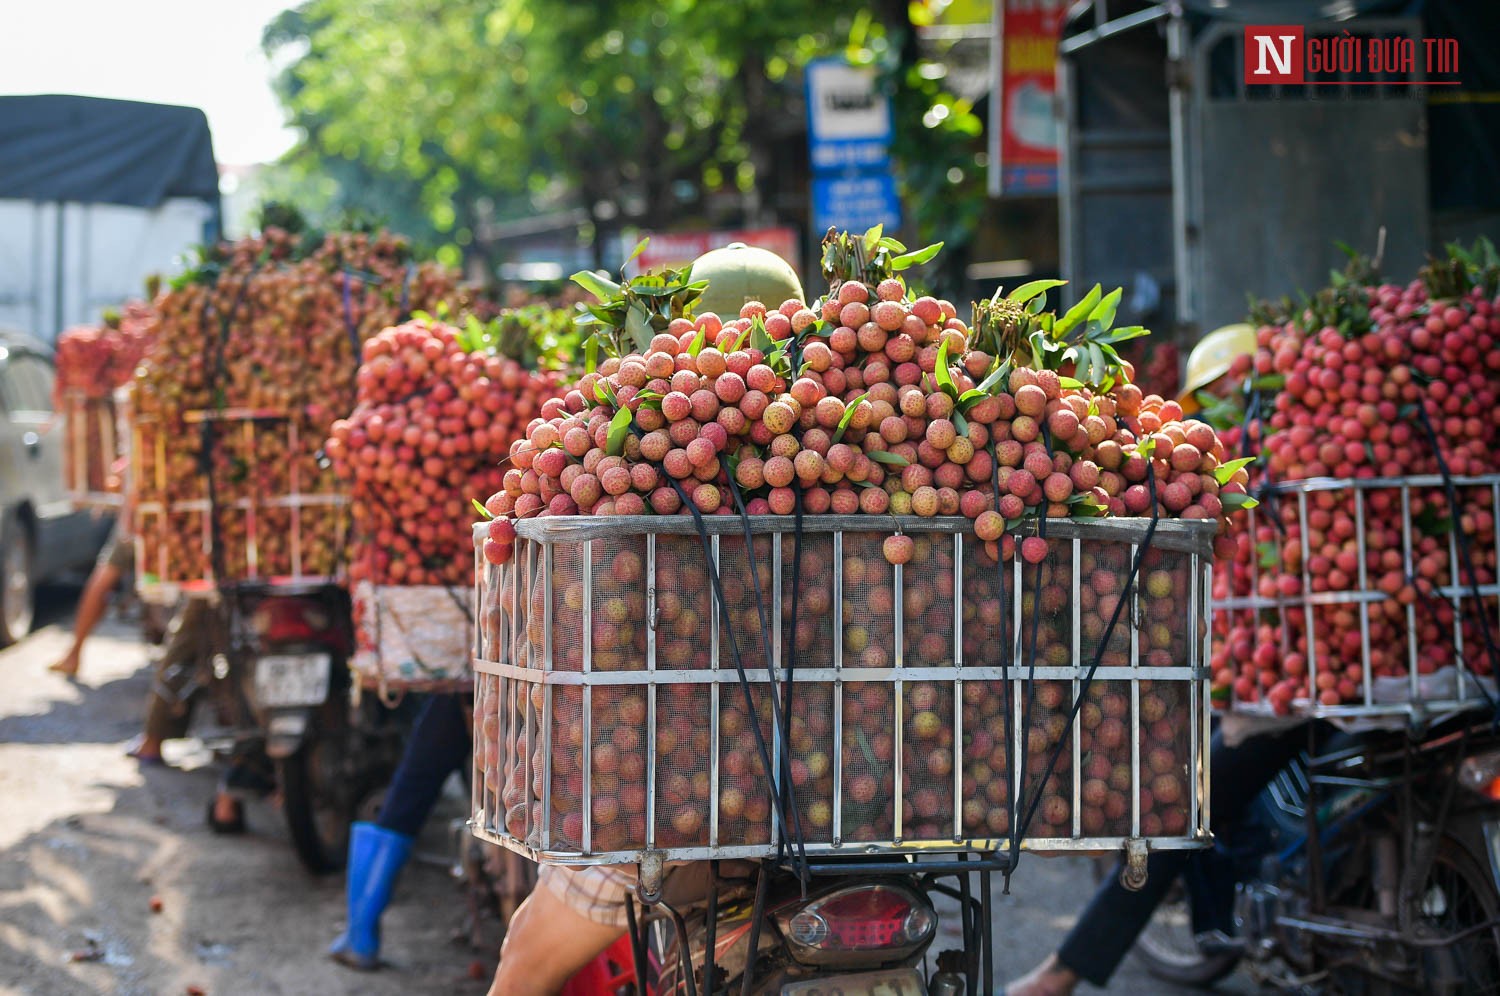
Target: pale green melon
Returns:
[[739, 273]]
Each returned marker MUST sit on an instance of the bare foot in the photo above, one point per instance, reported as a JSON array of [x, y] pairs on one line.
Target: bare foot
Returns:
[[67, 667], [1050, 978]]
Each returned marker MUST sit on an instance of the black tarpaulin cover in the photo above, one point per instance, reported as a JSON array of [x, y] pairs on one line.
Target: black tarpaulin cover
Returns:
[[92, 150]]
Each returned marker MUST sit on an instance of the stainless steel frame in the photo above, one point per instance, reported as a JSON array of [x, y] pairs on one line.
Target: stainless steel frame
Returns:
[[1416, 709], [508, 671]]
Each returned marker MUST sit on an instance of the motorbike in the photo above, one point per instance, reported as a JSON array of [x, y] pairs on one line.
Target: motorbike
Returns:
[[284, 665], [1370, 865], [855, 927]]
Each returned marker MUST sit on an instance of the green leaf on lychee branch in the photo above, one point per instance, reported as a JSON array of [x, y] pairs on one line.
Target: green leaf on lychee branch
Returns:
[[596, 284], [1233, 501], [1078, 313], [1085, 506], [1039, 350], [480, 508], [941, 373], [605, 393], [1032, 289], [696, 346], [872, 239], [760, 339], [1223, 473], [1269, 554], [987, 387], [640, 247], [1104, 312], [1070, 383], [1146, 447], [960, 424], [917, 258], [619, 428], [888, 458], [848, 415]]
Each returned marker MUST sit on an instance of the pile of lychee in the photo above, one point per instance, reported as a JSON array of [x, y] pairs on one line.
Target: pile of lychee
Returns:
[[1369, 381], [434, 419], [842, 407]]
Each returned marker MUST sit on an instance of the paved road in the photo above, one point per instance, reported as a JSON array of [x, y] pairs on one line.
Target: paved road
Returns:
[[87, 839]]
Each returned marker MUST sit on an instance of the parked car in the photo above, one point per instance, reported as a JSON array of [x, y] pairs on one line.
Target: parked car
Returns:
[[42, 535]]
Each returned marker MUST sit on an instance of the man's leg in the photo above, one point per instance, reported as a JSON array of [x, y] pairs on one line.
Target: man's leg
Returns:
[[118, 558], [167, 707], [551, 938], [1116, 916], [438, 746]]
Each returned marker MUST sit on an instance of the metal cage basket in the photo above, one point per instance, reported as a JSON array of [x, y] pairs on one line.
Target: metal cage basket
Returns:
[[1403, 629], [611, 722], [249, 480]]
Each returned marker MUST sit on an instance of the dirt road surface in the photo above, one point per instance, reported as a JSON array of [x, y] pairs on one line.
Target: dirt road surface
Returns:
[[90, 841]]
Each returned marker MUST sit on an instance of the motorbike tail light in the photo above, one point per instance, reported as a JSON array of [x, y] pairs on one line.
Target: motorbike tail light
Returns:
[[872, 918], [290, 620], [1480, 774]]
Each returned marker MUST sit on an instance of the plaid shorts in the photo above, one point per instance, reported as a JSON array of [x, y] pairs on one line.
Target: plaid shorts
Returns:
[[595, 892]]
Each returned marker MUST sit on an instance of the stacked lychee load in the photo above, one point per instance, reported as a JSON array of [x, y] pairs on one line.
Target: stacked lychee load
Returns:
[[92, 362], [1381, 387], [439, 407], [255, 356], [875, 402]]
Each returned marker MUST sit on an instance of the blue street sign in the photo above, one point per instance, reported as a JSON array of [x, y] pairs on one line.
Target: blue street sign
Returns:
[[855, 202]]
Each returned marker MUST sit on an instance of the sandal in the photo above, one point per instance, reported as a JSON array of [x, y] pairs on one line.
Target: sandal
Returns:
[[145, 760]]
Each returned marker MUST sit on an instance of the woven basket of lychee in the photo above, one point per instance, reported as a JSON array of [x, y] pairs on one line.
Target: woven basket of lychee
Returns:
[[1365, 583], [864, 546]]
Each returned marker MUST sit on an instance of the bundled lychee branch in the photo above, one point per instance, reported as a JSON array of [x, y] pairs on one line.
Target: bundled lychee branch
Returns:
[[629, 312]]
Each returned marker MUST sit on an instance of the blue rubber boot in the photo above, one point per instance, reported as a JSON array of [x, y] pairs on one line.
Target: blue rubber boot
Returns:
[[376, 856]]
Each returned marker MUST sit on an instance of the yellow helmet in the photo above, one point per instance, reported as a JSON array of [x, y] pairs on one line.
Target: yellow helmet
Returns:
[[1211, 359]]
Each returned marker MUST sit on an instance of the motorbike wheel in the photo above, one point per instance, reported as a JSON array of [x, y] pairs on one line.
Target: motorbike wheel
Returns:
[[313, 801], [1459, 895], [1167, 947]]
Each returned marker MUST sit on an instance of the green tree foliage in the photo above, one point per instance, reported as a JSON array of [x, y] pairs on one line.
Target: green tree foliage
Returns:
[[638, 110]]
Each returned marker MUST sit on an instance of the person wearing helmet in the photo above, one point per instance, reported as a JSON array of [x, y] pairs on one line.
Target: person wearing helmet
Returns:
[[574, 914], [1211, 360], [1243, 763]]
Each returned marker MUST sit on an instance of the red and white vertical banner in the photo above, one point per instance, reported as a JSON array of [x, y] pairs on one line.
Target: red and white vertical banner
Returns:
[[1024, 136]]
